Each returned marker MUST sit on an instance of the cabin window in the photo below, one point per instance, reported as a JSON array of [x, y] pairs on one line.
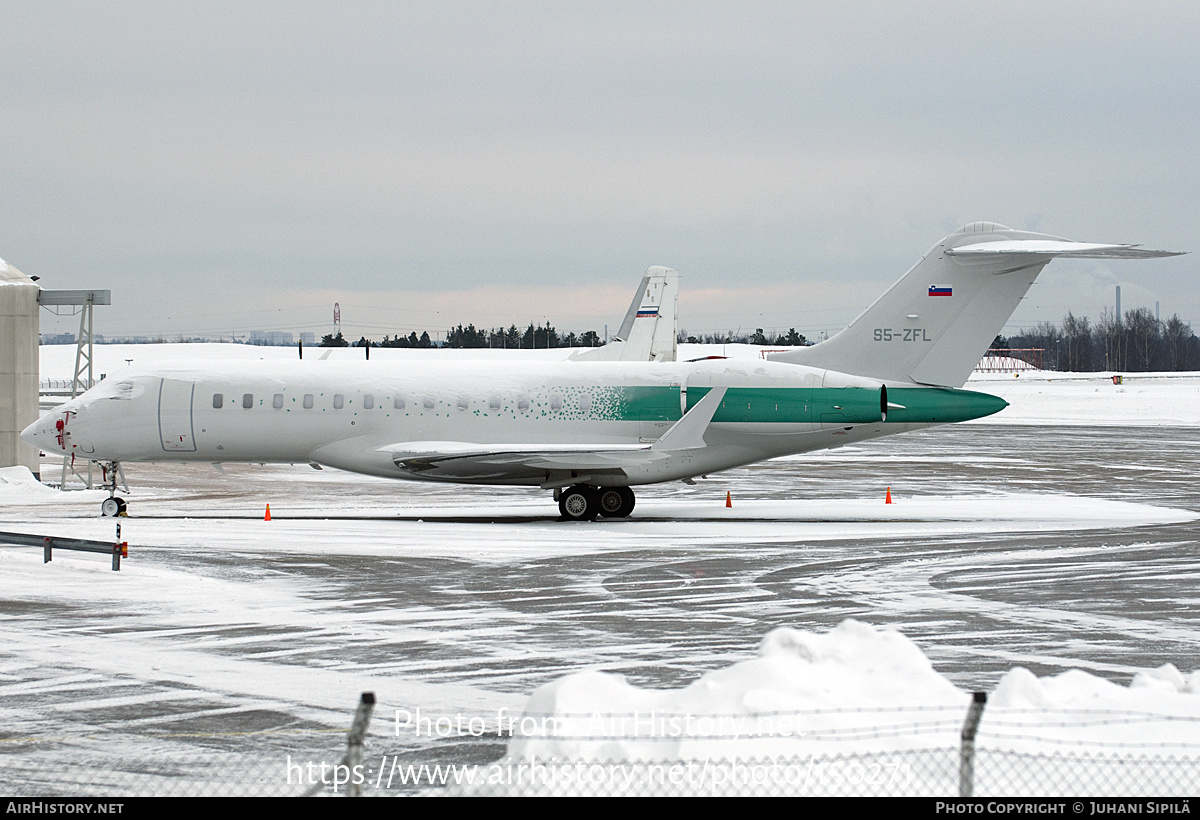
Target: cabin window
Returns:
[[218, 400], [428, 403], [247, 400], [463, 404], [494, 403], [523, 403], [585, 403], [368, 401], [556, 402], [398, 403], [277, 401], [308, 401], [338, 401]]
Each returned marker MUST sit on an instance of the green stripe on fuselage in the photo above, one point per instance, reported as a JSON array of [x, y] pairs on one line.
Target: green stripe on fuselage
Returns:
[[792, 405]]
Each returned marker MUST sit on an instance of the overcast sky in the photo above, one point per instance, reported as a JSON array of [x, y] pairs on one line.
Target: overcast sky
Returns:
[[225, 167]]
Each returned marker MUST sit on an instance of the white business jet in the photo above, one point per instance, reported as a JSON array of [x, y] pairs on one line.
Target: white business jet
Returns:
[[593, 428]]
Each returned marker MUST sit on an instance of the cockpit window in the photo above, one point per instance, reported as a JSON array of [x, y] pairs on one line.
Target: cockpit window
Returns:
[[122, 391]]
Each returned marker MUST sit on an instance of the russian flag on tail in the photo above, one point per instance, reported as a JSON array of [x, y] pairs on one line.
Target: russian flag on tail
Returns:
[[941, 290]]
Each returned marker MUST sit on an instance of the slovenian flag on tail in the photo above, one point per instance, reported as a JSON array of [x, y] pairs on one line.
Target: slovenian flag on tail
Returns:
[[941, 290]]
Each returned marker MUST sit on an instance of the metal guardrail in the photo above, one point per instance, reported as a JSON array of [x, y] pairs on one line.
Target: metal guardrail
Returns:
[[49, 543]]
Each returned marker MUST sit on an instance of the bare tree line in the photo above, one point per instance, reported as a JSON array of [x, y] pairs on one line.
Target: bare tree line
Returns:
[[1135, 342]]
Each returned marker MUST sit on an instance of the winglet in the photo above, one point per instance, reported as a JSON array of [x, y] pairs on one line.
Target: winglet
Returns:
[[688, 432]]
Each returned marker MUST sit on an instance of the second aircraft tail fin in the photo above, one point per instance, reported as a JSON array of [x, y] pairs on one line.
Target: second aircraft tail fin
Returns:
[[648, 332]]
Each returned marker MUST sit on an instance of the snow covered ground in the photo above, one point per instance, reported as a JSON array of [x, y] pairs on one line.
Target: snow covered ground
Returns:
[[1053, 566], [1092, 399]]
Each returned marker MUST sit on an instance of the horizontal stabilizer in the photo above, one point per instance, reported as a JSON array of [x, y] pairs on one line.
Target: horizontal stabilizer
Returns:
[[1063, 248]]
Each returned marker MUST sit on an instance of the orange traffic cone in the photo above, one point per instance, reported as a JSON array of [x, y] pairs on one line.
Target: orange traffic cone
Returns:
[[728, 500], [267, 517], [888, 500]]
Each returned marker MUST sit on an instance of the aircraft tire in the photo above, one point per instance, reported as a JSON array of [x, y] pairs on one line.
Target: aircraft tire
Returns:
[[111, 507], [578, 503], [615, 502]]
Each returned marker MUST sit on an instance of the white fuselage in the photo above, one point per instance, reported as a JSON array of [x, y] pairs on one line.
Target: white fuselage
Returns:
[[357, 416]]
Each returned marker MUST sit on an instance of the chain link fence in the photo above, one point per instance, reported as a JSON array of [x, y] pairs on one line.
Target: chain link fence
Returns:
[[922, 752]]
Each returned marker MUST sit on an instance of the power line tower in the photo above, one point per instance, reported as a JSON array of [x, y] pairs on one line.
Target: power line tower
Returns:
[[81, 301]]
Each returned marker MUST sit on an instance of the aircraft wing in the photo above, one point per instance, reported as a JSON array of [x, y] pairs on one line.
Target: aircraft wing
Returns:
[[552, 465], [518, 462]]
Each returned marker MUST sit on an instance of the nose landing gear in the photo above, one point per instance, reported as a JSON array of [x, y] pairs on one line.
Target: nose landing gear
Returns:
[[112, 506]]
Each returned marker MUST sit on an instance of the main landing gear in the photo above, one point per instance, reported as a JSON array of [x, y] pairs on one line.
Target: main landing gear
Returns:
[[113, 505], [584, 503]]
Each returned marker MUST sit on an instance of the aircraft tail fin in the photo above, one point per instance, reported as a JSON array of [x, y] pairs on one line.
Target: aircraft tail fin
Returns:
[[648, 332], [935, 323]]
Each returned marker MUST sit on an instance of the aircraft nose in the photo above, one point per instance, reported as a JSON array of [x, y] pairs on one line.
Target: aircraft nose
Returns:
[[35, 435], [47, 433]]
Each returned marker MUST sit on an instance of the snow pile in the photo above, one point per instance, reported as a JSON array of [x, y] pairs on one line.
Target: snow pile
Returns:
[[855, 711], [1159, 710], [855, 689], [18, 487], [802, 689], [18, 484]]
